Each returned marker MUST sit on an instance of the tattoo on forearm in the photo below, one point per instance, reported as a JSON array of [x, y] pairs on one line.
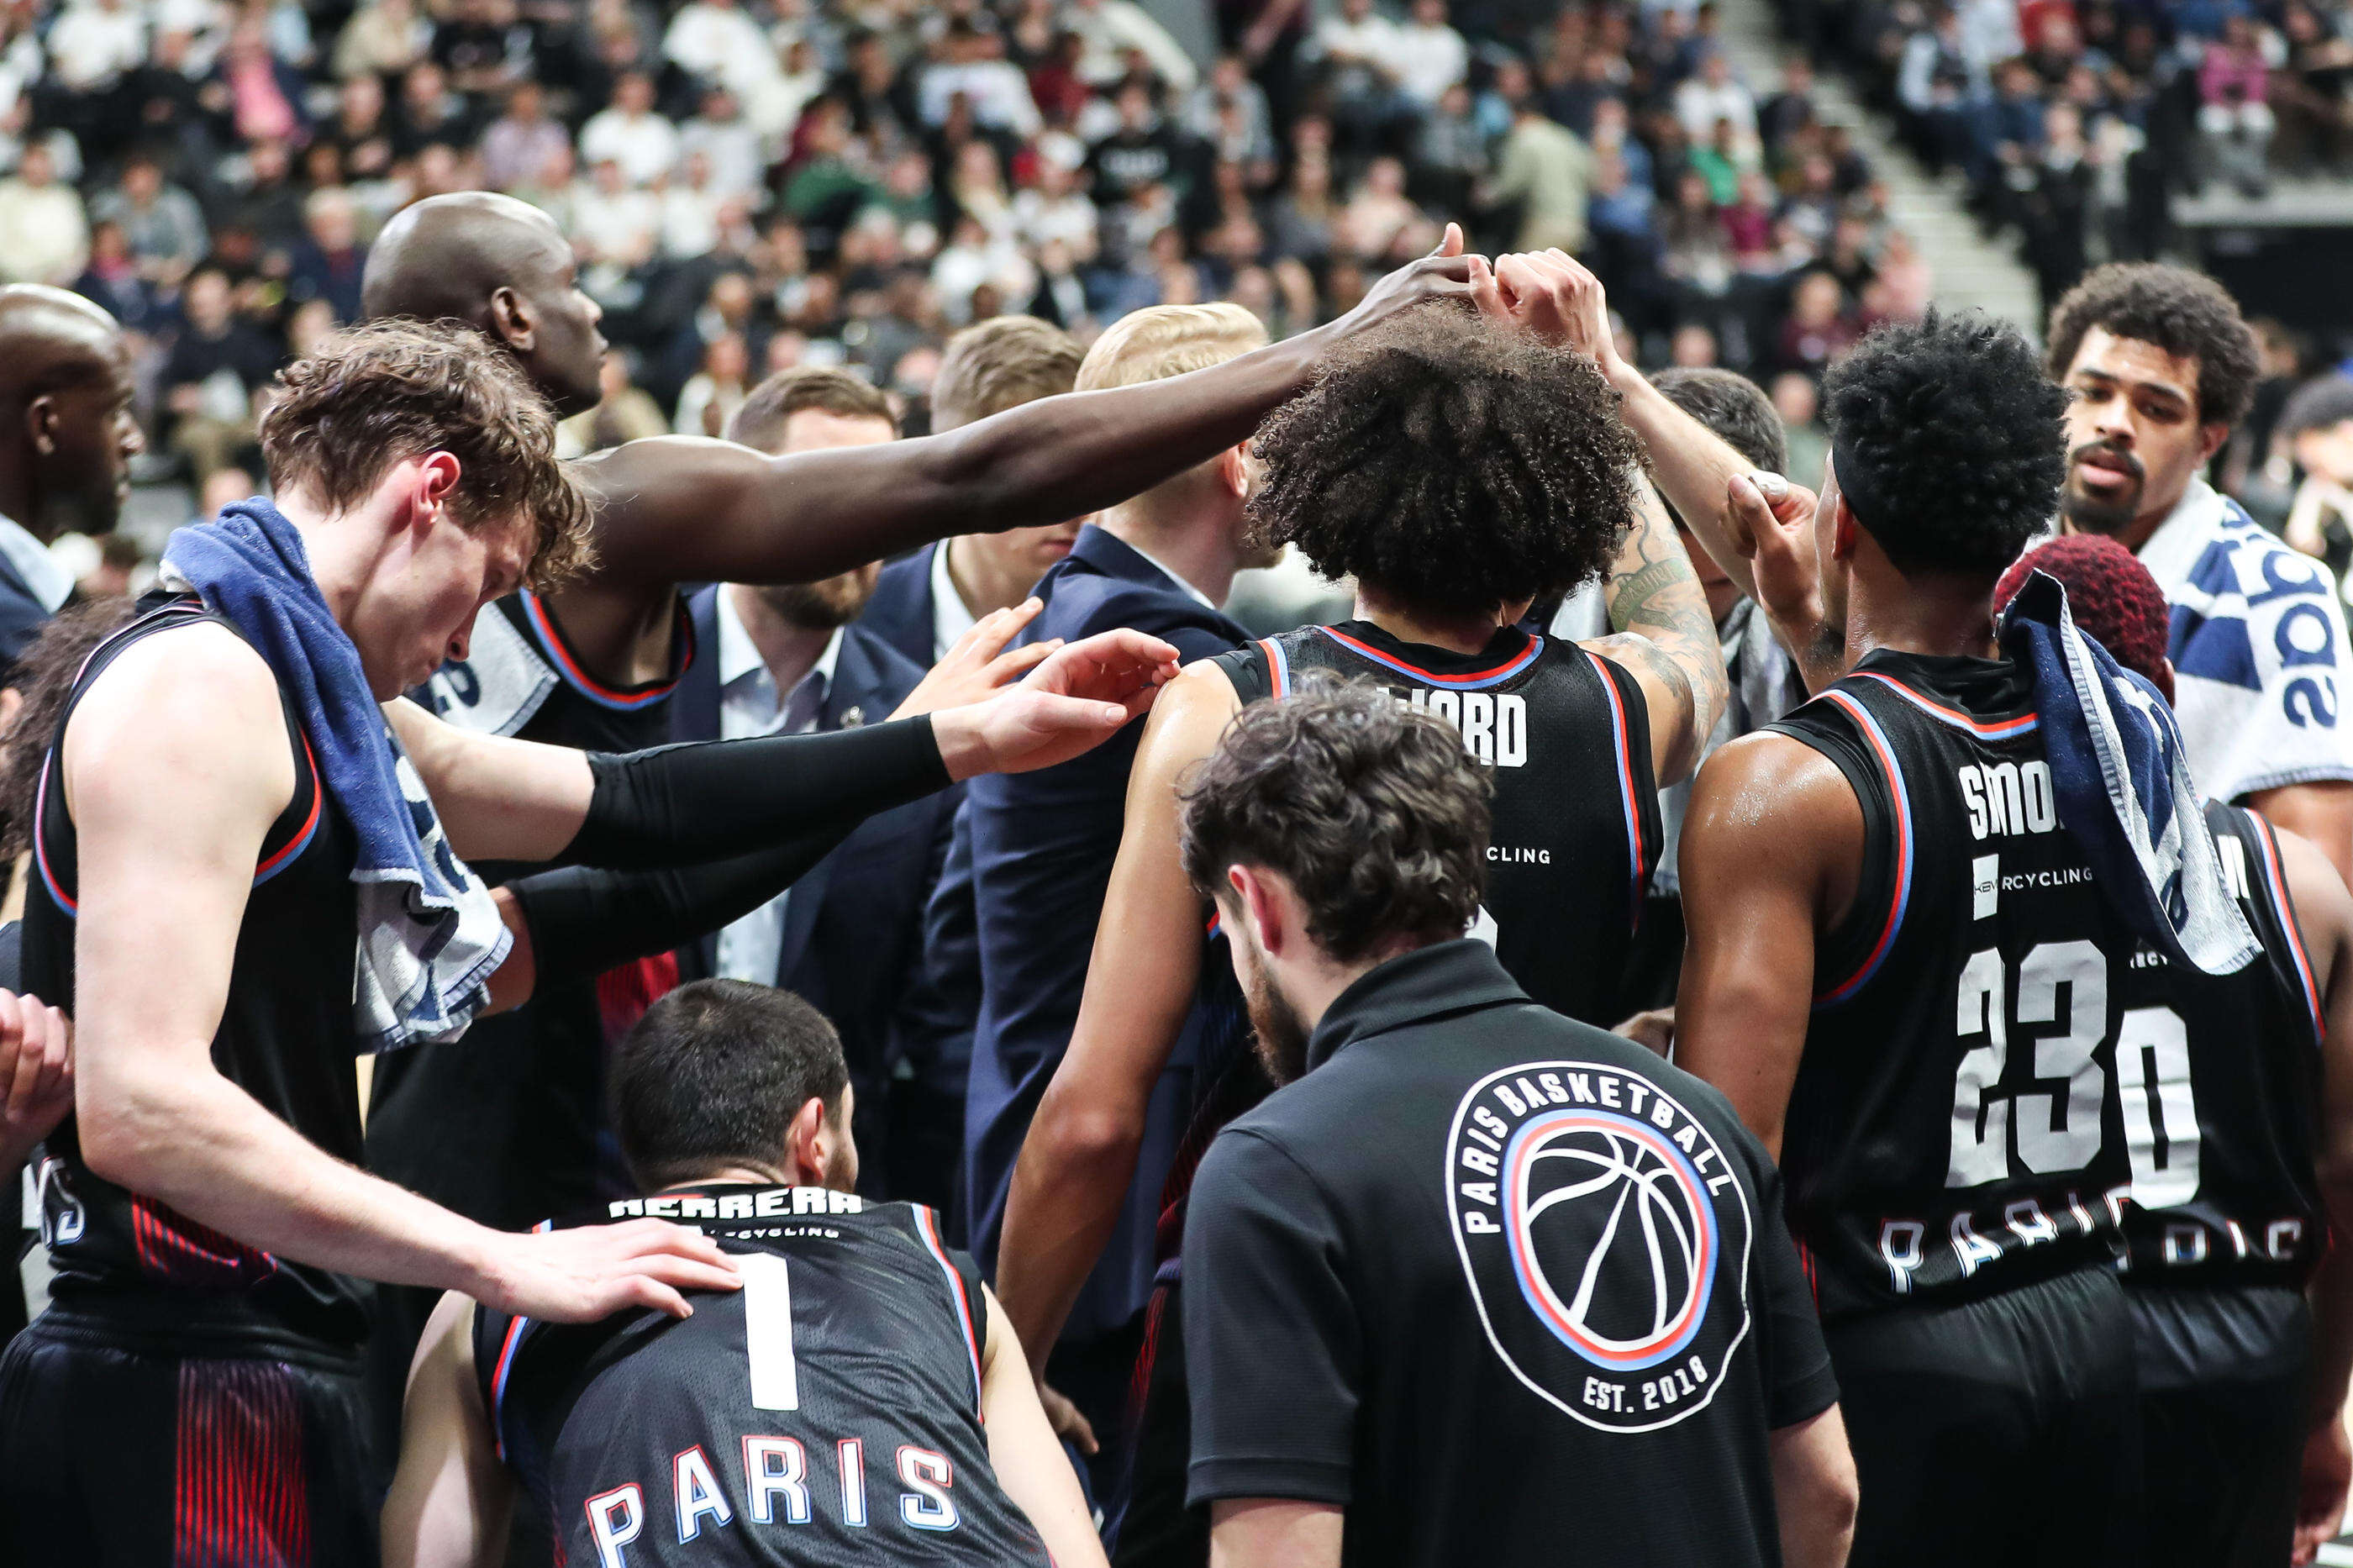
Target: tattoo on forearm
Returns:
[[1656, 596]]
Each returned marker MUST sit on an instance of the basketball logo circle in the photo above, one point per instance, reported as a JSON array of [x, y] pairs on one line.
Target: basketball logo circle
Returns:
[[1649, 1230], [1605, 1238]]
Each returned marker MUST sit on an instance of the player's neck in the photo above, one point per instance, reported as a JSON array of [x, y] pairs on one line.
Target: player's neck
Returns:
[[1457, 634], [20, 506], [787, 1174], [1938, 614]]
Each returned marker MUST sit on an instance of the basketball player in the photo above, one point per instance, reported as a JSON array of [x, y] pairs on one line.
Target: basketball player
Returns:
[[859, 1401], [593, 664], [1455, 474], [200, 843], [2160, 366], [1484, 1285], [1910, 984], [2224, 1237]]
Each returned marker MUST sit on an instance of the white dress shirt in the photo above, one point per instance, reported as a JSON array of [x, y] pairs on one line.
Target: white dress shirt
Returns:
[[749, 949], [950, 619]]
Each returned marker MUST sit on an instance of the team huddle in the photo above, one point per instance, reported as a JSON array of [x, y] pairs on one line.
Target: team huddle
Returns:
[[1711, 1021]]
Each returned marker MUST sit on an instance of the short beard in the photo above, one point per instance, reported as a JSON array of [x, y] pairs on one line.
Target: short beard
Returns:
[[2106, 518], [821, 605], [1279, 1037]]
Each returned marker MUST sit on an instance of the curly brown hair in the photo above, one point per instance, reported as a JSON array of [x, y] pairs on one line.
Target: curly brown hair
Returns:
[[1372, 811], [2185, 314], [374, 395], [1453, 463]]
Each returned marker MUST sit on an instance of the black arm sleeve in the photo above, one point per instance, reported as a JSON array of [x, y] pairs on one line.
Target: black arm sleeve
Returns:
[[678, 805], [583, 922]]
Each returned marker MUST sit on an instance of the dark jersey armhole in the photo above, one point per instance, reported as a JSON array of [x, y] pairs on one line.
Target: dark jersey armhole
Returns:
[[1843, 956], [1636, 709], [1250, 667], [969, 1272], [2261, 842]]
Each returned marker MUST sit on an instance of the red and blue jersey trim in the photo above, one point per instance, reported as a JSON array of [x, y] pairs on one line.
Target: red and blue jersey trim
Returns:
[[928, 1227], [506, 1348], [575, 675], [2275, 878], [1984, 730], [1877, 738], [1278, 667], [1472, 682], [1622, 739]]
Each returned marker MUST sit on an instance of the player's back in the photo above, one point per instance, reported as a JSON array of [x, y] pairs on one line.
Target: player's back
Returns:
[[1576, 810], [827, 1413]]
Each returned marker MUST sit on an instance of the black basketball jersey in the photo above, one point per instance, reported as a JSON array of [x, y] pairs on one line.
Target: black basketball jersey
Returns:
[[2227, 1194], [506, 1125], [1577, 808], [1965, 1118], [287, 1038], [827, 1413]]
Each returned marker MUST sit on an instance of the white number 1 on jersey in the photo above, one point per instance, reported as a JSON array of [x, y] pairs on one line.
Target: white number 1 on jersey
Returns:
[[768, 1332]]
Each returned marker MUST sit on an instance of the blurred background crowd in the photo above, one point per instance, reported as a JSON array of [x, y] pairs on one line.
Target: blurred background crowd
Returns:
[[752, 185]]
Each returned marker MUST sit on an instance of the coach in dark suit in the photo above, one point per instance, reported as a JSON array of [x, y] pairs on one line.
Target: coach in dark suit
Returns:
[[849, 938]]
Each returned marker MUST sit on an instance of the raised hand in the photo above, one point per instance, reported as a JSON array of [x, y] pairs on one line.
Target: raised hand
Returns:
[[1080, 696], [1444, 274], [1553, 296], [976, 666], [35, 1074], [580, 1275]]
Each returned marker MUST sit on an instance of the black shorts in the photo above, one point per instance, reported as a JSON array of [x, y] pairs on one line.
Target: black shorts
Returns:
[[1157, 1530], [2000, 1431], [113, 1457], [2223, 1407]]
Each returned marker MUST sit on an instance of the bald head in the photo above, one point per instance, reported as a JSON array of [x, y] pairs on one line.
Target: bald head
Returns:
[[67, 434], [501, 266]]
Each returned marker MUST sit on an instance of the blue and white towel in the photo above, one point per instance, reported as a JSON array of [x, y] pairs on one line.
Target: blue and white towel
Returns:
[[2124, 787], [430, 933]]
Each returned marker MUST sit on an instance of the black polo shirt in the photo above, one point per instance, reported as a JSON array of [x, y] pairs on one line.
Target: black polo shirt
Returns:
[[1502, 1284]]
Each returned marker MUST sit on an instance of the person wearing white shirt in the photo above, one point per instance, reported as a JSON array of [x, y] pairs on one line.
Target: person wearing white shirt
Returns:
[[1716, 94], [612, 221], [1108, 29], [976, 68], [631, 133], [716, 41], [1431, 55], [723, 134], [690, 210], [94, 42]]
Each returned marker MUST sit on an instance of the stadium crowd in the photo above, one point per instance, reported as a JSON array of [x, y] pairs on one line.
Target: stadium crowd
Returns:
[[751, 186]]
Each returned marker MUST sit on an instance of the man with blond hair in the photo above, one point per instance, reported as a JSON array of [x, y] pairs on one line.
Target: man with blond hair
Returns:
[[924, 601], [1160, 563]]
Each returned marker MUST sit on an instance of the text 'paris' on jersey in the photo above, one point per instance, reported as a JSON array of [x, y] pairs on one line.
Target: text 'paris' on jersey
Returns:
[[827, 1413]]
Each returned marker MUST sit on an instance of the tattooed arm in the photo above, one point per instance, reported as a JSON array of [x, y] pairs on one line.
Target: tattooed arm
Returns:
[[1665, 636]]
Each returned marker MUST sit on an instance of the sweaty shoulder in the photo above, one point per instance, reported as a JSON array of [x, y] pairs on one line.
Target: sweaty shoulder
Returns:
[[1767, 808], [2323, 907], [193, 703]]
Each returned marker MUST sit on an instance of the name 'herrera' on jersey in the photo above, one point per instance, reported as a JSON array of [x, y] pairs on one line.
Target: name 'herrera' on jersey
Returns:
[[1605, 1238]]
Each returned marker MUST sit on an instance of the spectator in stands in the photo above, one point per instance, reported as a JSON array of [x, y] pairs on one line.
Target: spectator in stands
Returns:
[[2233, 112], [629, 134], [47, 235], [215, 367], [518, 145], [1715, 97], [161, 223], [93, 43], [327, 261], [114, 282], [626, 413], [384, 38], [713, 394], [1433, 58], [1547, 171]]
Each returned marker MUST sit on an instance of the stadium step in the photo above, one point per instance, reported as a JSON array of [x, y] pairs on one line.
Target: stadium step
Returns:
[[1969, 270]]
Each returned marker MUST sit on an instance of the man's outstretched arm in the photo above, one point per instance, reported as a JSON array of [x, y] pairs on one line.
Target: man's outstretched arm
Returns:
[[683, 509], [503, 799], [1022, 1449], [175, 764], [1769, 853], [1080, 1156]]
